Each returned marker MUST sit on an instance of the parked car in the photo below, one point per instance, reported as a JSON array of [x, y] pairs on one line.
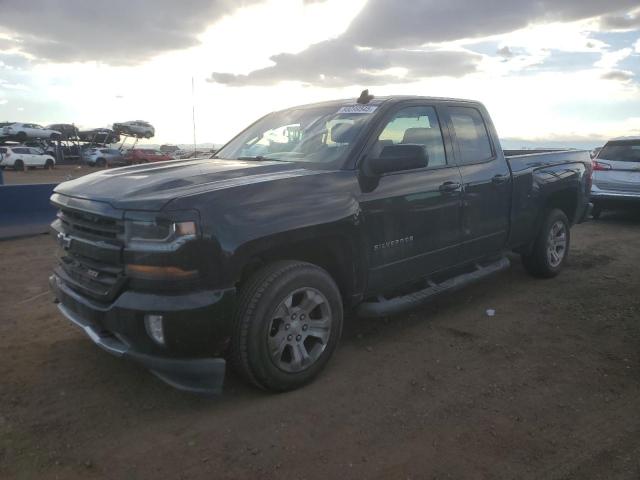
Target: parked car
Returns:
[[136, 128], [21, 157], [99, 135], [102, 157], [145, 155], [24, 131], [257, 252], [616, 175], [169, 149], [67, 130]]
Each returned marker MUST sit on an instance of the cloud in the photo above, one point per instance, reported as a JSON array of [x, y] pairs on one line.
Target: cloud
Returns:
[[115, 32], [396, 23], [396, 41], [335, 63], [618, 75], [610, 60], [629, 21], [505, 52]]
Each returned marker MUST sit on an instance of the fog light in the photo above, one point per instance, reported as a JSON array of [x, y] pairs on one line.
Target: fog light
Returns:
[[153, 324]]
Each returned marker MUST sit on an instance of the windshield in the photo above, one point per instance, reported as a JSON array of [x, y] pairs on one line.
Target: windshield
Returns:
[[313, 134], [621, 151]]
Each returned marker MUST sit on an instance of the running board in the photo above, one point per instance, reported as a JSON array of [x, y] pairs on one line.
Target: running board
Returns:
[[395, 305]]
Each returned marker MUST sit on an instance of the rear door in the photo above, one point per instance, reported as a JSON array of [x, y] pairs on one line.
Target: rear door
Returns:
[[412, 217], [618, 168], [22, 153], [486, 179]]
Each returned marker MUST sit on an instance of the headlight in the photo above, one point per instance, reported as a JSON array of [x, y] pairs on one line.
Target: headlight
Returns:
[[159, 232]]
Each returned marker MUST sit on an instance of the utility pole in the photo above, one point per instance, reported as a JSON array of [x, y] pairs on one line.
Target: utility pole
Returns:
[[193, 114]]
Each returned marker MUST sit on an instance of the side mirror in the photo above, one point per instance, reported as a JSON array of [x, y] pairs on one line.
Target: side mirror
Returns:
[[397, 158]]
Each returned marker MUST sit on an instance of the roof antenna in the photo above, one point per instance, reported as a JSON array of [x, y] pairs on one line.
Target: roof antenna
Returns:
[[365, 97]]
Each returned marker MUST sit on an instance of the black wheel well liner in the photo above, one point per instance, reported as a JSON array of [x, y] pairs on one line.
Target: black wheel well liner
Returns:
[[334, 254]]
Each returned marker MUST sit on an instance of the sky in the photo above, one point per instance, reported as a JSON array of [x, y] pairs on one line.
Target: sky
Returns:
[[551, 72]]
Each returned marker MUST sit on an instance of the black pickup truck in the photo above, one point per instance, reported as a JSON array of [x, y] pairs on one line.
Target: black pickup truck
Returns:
[[372, 206]]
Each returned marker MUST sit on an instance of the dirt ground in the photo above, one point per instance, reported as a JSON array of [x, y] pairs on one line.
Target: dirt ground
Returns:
[[59, 174], [548, 388]]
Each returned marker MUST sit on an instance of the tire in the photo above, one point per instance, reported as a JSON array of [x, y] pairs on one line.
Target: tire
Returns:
[[554, 236], [258, 327], [101, 163], [21, 136], [596, 212], [18, 165], [54, 136], [147, 135], [49, 165]]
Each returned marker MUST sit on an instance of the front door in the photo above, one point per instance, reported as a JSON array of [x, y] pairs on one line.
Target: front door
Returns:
[[412, 218]]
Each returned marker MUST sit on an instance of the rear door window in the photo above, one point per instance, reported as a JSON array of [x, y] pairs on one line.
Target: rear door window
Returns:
[[621, 151], [472, 135]]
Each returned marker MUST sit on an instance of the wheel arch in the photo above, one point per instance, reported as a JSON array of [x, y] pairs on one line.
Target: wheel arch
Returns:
[[565, 200], [336, 254]]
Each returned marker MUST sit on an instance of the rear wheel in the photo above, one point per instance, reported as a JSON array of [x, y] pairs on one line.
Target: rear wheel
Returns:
[[288, 324], [18, 165], [596, 212], [21, 136], [101, 163], [551, 247]]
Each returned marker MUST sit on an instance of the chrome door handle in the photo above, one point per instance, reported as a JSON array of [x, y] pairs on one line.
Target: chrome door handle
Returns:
[[450, 187]]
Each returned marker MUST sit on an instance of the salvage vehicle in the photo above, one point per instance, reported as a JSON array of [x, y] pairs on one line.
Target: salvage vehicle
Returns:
[[373, 206], [616, 175], [22, 158], [67, 131], [99, 135], [102, 157], [145, 155], [135, 128], [24, 131]]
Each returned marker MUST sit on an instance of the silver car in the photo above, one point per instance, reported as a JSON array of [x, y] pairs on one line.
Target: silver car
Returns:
[[101, 157], [616, 175]]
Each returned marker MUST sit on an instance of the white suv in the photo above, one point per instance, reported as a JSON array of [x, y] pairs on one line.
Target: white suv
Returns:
[[20, 157], [136, 128], [23, 131]]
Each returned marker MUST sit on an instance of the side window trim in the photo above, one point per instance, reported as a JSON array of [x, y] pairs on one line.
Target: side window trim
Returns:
[[454, 138]]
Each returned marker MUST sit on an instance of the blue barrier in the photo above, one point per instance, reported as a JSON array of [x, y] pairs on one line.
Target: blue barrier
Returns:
[[25, 209]]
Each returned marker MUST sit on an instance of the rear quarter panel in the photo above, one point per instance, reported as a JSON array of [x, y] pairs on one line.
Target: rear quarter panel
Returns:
[[537, 178]]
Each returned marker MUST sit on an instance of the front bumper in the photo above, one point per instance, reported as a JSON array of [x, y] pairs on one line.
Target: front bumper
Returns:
[[196, 330]]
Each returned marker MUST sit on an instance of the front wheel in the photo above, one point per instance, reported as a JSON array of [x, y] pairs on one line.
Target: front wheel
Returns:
[[48, 165], [288, 324], [551, 246], [596, 212], [18, 165]]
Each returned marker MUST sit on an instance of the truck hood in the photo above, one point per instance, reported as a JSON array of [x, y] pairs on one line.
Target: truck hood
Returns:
[[152, 186]]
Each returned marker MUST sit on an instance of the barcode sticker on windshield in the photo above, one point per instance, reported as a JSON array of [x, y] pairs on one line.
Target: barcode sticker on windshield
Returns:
[[358, 109]]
